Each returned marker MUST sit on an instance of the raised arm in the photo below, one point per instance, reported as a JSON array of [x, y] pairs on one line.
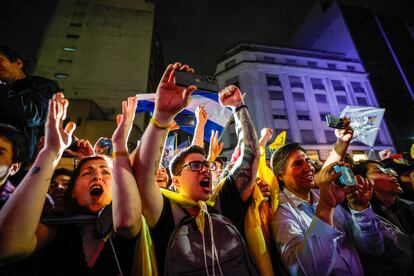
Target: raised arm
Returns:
[[245, 169], [344, 137], [201, 117], [170, 99], [265, 136], [215, 147], [126, 202], [20, 231]]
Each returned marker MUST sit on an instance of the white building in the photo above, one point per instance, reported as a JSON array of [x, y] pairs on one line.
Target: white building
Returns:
[[294, 89]]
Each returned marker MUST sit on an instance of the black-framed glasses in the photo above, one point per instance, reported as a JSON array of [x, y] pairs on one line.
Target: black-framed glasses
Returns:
[[197, 166]]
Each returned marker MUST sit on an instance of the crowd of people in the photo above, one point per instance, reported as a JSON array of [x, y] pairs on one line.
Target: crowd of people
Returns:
[[129, 213]]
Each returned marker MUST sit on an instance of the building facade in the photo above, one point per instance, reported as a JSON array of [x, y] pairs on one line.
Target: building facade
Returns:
[[99, 50], [384, 43], [294, 89]]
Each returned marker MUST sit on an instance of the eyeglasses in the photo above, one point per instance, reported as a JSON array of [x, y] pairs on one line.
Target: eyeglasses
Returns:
[[388, 171], [197, 166]]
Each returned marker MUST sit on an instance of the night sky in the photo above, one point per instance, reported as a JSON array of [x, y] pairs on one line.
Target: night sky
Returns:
[[197, 32]]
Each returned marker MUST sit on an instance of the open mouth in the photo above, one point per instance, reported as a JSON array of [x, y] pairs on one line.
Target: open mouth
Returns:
[[96, 190], [205, 183], [160, 179]]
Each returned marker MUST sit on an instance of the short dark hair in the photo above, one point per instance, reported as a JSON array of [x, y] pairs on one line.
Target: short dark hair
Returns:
[[360, 167], [220, 160], [13, 56], [62, 171], [279, 157], [178, 159], [76, 171], [17, 140]]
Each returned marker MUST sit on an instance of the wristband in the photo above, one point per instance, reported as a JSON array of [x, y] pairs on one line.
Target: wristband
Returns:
[[116, 154], [240, 107], [157, 124]]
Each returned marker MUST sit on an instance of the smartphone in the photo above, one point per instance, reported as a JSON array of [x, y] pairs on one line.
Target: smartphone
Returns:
[[105, 142], [203, 82], [347, 178], [335, 122]]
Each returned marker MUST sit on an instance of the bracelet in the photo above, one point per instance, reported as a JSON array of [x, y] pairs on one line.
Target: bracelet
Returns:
[[240, 107], [116, 154], [158, 124]]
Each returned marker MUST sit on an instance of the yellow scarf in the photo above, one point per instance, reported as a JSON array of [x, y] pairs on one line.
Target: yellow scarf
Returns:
[[146, 263], [257, 219]]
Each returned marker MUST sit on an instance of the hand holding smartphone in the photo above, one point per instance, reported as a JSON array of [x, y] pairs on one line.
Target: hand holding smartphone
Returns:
[[203, 82], [336, 122]]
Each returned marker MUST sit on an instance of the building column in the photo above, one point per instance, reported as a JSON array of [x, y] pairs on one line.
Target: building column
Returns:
[[332, 97], [290, 108], [314, 111]]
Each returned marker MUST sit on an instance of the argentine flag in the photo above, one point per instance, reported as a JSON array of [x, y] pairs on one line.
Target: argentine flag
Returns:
[[218, 115]]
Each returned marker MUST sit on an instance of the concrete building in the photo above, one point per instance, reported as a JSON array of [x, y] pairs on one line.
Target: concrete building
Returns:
[[98, 50], [294, 89], [383, 42]]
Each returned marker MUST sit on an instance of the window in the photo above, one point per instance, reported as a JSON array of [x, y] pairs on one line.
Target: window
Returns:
[[276, 95], [357, 87], [338, 86], [269, 59], [330, 136], [298, 97], [77, 25], [69, 49], [331, 65], [317, 84], [362, 101], [359, 155], [280, 114], [351, 68], [61, 75], [303, 115], [291, 61], [73, 36], [308, 136], [342, 99], [312, 64], [272, 80], [279, 117], [230, 63], [295, 82], [321, 98], [65, 61]]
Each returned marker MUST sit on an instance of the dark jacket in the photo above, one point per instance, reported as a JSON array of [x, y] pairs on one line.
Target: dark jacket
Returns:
[[24, 105]]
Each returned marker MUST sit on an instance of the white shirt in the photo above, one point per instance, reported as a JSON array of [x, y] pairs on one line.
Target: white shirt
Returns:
[[309, 246]]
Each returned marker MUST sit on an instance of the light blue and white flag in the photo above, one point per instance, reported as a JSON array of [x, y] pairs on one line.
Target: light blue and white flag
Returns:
[[218, 115], [365, 121]]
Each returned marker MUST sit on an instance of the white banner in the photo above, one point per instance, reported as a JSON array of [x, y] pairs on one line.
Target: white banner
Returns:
[[365, 121]]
